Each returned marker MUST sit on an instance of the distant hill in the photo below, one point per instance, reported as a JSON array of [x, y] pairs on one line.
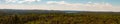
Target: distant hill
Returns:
[[27, 11], [11, 11], [11, 16]]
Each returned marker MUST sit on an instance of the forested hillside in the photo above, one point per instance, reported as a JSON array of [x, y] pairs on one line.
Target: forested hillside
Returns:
[[60, 18]]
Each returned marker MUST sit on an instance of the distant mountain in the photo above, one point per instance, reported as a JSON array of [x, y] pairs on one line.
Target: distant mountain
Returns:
[[28, 11], [11, 11]]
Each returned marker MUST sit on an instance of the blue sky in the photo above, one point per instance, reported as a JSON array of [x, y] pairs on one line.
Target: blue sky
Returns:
[[86, 5], [114, 2]]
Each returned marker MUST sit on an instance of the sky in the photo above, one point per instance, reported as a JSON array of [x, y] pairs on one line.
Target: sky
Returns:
[[77, 5]]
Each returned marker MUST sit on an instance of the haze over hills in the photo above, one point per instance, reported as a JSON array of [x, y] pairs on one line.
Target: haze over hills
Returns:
[[36, 10], [14, 16], [11, 16], [11, 11]]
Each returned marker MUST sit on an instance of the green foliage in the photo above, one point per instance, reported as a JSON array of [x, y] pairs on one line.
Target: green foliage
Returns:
[[61, 18]]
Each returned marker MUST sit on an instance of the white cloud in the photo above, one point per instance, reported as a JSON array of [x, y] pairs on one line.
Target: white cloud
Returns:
[[55, 2], [31, 0], [80, 6], [62, 5], [10, 1], [21, 1], [89, 4], [23, 7]]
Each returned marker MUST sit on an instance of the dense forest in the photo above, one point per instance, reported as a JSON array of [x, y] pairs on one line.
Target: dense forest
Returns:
[[60, 18]]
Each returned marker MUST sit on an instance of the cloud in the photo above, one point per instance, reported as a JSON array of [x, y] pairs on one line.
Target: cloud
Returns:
[[31, 0], [55, 2], [63, 5], [21, 1], [89, 4], [10, 1], [25, 7]]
